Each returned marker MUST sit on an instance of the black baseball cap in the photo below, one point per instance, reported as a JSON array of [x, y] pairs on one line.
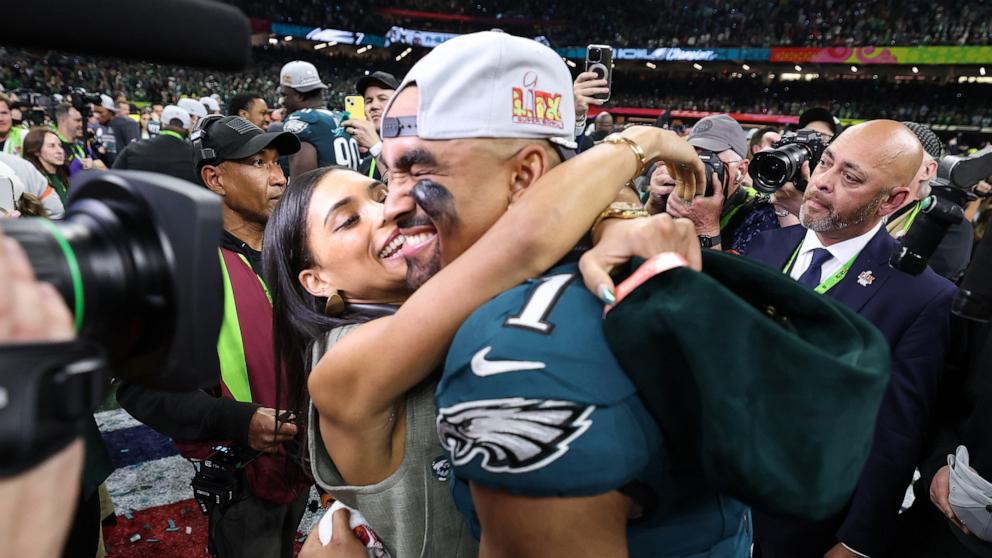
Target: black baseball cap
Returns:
[[230, 138], [819, 114], [382, 79]]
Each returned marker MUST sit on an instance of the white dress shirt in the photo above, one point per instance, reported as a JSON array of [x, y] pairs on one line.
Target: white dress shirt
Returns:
[[842, 252]]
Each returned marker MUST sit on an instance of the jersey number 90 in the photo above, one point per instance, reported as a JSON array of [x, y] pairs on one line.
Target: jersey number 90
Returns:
[[346, 152]]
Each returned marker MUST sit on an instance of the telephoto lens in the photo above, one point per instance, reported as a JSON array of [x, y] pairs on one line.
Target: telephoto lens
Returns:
[[136, 261]]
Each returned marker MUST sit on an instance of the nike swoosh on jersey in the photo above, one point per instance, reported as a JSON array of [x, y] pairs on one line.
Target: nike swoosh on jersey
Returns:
[[483, 367]]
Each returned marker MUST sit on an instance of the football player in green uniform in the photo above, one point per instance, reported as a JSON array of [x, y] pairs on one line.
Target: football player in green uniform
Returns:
[[325, 142]]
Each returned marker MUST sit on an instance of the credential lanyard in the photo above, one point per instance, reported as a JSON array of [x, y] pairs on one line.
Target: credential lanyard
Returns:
[[829, 282]]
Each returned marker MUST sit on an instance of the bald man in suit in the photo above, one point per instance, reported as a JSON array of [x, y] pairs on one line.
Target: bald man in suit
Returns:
[[841, 249]]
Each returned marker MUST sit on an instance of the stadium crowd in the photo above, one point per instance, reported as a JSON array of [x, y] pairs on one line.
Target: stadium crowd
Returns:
[[449, 288], [709, 23]]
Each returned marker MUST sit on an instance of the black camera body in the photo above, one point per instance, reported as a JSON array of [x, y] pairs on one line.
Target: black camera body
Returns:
[[712, 164], [136, 261], [770, 170]]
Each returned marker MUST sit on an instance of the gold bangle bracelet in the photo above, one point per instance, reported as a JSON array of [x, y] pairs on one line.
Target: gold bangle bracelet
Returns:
[[618, 139], [620, 210]]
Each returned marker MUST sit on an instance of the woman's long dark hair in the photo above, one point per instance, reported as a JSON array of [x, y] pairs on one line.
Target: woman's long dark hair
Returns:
[[33, 142], [298, 317]]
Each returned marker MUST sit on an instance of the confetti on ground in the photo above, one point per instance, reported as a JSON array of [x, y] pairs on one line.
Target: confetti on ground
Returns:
[[128, 515], [135, 538], [189, 530], [172, 526]]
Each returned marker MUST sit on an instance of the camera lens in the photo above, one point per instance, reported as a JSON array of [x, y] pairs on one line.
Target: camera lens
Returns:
[[595, 55], [772, 169], [136, 263]]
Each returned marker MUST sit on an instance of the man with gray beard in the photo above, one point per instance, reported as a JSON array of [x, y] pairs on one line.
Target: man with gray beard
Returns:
[[841, 249]]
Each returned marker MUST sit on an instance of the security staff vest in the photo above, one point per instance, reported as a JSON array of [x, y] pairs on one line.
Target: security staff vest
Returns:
[[248, 375]]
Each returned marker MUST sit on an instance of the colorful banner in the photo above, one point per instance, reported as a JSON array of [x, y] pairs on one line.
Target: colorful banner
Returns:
[[677, 54], [429, 39], [884, 55]]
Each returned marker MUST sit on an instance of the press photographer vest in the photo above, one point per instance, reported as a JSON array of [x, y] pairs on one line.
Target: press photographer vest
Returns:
[[14, 143], [247, 366]]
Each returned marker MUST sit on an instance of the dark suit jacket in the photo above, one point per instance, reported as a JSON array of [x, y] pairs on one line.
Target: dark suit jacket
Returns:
[[914, 315]]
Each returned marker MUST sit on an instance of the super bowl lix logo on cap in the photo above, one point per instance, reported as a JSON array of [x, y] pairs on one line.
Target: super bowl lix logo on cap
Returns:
[[533, 106]]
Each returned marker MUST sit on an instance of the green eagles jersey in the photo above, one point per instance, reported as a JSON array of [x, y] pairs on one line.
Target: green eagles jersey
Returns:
[[533, 402], [322, 129]]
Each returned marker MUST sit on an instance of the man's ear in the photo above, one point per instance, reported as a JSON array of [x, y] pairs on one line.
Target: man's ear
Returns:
[[530, 163], [243, 113], [742, 167], [895, 200], [211, 179], [314, 283]]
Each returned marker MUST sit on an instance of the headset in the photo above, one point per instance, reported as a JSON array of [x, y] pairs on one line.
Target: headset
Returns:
[[203, 155]]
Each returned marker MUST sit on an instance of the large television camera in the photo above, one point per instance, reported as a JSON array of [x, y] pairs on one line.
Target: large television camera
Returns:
[[135, 259], [951, 190]]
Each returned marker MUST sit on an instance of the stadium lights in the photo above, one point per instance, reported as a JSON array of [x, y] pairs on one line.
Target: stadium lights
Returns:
[[403, 54], [570, 63], [288, 38], [916, 70], [854, 69], [697, 66], [332, 43], [273, 41], [367, 72], [364, 49], [982, 70], [320, 46], [653, 66], [746, 67], [798, 68]]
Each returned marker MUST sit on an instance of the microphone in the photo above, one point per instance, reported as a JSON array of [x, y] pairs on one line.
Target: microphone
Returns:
[[202, 33]]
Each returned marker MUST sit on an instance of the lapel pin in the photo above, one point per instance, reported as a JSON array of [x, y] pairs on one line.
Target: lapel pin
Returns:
[[866, 278]]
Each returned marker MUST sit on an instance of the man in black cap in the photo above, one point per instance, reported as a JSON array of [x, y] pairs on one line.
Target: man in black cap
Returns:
[[239, 162], [820, 120], [377, 89]]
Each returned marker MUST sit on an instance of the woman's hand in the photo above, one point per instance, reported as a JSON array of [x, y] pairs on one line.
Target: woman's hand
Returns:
[[344, 543], [644, 237], [681, 160]]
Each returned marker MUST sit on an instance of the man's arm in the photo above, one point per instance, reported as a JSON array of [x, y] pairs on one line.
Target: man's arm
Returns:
[[522, 527], [903, 421], [191, 416], [303, 160]]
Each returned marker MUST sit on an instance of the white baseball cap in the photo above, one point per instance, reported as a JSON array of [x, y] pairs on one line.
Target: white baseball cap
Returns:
[[301, 76], [192, 106], [210, 103], [489, 85], [107, 102], [172, 112]]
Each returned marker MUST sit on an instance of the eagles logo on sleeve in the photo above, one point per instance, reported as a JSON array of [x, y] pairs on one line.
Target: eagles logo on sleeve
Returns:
[[513, 435]]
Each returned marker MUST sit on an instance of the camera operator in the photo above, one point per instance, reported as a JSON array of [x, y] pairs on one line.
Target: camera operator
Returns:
[[239, 162], [843, 252], [11, 136], [719, 218], [377, 89], [34, 312], [951, 257], [69, 129], [167, 153]]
